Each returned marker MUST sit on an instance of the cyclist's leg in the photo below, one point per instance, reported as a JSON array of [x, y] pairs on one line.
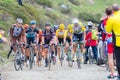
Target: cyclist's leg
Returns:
[[27, 51], [81, 42], [46, 51], [60, 41]]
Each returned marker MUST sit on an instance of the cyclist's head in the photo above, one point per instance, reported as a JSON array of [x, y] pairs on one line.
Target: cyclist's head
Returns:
[[47, 26], [70, 28], [56, 27], [61, 26], [26, 26], [19, 21], [33, 23], [90, 24], [75, 22], [108, 11], [115, 7]]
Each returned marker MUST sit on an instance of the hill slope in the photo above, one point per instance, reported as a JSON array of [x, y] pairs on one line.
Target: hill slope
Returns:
[[40, 11]]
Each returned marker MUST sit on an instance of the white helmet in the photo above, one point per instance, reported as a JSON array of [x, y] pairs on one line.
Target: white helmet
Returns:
[[90, 23], [75, 20], [19, 20]]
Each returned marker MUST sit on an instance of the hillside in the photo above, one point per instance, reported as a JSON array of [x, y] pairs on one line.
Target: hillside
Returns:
[[54, 11]]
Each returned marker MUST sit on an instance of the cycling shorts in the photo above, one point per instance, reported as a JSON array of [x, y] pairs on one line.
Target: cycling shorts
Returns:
[[78, 37], [31, 40], [61, 40], [68, 40]]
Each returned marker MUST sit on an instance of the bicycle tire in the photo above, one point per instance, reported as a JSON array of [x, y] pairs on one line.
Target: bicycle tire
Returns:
[[17, 61], [61, 59], [70, 61], [31, 60], [49, 62], [78, 59]]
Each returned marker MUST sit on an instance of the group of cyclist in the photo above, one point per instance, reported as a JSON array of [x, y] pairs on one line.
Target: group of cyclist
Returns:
[[60, 34]]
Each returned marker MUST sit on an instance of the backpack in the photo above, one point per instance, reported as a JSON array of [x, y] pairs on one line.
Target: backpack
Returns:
[[17, 31], [94, 35]]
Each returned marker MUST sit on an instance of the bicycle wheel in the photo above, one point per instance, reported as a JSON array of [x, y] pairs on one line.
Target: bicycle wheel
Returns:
[[78, 59], [69, 58], [61, 57], [49, 62], [17, 63], [31, 60], [49, 58]]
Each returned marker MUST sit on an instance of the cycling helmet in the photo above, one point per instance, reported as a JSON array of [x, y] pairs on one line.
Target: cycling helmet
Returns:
[[32, 22], [55, 27], [61, 26], [90, 24], [47, 24], [75, 21], [70, 28], [19, 20], [25, 26]]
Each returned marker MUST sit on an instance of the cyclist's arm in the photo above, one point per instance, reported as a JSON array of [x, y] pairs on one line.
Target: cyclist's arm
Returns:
[[37, 38], [65, 35], [84, 32], [71, 37], [56, 34]]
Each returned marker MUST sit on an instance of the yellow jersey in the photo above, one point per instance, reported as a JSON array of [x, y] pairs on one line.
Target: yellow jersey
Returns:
[[68, 34], [113, 25], [59, 33]]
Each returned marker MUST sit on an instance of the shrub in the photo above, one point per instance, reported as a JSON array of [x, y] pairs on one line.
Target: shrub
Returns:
[[90, 17], [75, 2], [65, 11], [44, 3]]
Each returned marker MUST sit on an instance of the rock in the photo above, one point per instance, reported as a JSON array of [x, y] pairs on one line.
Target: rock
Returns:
[[64, 6]]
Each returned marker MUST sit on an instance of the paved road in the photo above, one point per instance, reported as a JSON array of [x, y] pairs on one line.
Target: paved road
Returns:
[[88, 72]]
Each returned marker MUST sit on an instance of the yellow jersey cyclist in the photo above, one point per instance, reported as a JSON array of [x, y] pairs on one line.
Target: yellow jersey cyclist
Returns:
[[60, 35], [78, 34], [68, 36]]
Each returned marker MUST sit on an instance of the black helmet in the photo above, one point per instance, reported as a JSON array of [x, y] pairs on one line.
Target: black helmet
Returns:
[[47, 24]]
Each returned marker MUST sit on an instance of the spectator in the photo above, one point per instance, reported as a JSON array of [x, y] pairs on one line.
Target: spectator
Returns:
[[20, 2], [113, 26]]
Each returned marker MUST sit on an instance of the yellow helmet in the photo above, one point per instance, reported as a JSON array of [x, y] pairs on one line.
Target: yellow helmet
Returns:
[[61, 26], [70, 28]]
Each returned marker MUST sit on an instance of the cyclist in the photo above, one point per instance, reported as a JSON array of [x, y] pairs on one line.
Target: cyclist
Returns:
[[48, 37], [16, 36], [25, 26], [55, 27], [40, 49], [2, 39], [78, 34], [68, 36], [32, 37], [90, 42], [60, 34]]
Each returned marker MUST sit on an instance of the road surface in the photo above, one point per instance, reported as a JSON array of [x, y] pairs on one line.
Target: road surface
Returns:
[[88, 72]]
